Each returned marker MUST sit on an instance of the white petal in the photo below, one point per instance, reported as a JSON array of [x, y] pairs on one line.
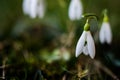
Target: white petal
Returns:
[[91, 45], [80, 44], [71, 12], [33, 8], [79, 10], [75, 10], [41, 9], [26, 6], [85, 50], [102, 34], [108, 33]]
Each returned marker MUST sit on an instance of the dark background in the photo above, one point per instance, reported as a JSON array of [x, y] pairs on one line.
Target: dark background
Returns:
[[24, 41]]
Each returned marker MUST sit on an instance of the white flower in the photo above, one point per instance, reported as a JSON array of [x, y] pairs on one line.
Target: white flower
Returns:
[[75, 10], [105, 34], [34, 8], [86, 45]]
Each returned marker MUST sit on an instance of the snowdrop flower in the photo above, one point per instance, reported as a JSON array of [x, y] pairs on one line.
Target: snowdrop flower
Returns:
[[34, 8], [105, 34], [85, 43], [75, 10]]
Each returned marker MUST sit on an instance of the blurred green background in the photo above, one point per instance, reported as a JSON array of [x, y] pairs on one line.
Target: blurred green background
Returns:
[[36, 49]]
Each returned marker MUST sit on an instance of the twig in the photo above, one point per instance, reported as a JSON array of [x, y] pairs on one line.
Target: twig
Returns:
[[105, 69], [3, 67]]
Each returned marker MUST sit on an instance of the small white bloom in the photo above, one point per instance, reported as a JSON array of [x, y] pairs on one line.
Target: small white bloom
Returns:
[[75, 10], [105, 34], [86, 45], [34, 8]]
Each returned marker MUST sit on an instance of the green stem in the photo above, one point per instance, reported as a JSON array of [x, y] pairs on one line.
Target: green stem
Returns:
[[87, 26], [105, 19], [89, 17]]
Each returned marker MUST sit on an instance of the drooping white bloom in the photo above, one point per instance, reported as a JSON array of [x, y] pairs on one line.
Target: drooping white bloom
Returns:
[[86, 45], [75, 10], [34, 8], [105, 34]]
